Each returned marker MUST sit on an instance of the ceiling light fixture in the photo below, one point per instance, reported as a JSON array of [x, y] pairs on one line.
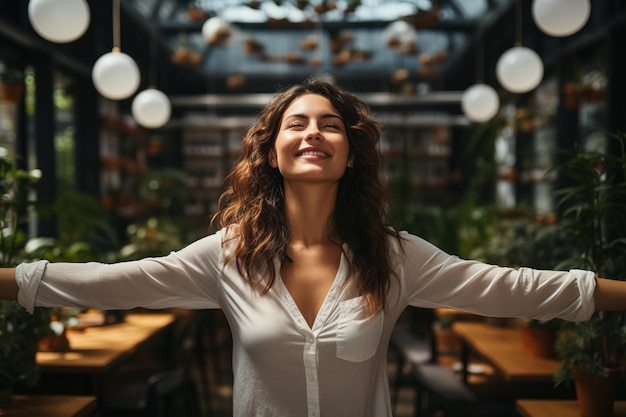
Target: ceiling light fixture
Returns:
[[519, 69], [151, 108], [561, 17], [115, 74], [480, 102], [59, 21]]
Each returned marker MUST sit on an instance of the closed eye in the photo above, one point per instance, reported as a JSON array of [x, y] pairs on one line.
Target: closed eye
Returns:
[[295, 123]]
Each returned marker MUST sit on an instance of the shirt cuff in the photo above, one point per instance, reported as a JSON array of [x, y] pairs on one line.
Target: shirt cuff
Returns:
[[587, 286], [28, 276]]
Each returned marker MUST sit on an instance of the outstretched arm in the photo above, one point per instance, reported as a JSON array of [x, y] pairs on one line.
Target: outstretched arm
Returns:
[[610, 295], [8, 286]]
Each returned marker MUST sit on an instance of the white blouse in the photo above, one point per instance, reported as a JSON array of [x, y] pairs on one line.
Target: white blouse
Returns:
[[283, 367]]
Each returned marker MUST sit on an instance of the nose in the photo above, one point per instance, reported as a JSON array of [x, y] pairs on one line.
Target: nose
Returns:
[[313, 133]]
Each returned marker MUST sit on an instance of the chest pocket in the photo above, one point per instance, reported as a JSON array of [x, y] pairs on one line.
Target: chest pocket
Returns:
[[358, 332]]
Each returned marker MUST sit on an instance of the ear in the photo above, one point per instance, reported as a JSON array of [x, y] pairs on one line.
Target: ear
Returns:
[[350, 163], [273, 161]]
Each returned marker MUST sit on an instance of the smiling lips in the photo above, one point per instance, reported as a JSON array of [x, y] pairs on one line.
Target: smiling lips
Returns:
[[312, 152]]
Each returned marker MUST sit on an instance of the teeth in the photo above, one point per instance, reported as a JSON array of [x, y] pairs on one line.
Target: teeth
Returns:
[[313, 153]]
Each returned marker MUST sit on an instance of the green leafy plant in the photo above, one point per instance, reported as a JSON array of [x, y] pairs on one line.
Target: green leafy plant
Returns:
[[593, 207], [19, 340], [19, 330]]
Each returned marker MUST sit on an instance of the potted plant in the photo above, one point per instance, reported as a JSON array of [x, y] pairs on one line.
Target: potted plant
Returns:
[[593, 207], [20, 331]]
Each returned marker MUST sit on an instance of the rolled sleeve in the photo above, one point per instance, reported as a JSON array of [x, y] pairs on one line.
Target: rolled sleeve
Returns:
[[28, 276], [587, 285]]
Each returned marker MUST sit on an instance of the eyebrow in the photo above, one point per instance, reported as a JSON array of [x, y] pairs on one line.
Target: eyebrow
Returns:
[[304, 116]]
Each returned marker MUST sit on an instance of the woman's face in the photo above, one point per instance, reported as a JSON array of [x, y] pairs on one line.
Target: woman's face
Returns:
[[312, 144]]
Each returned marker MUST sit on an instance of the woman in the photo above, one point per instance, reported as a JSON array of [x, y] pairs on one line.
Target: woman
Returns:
[[310, 278]]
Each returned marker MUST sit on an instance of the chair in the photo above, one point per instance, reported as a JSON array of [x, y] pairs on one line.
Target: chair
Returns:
[[417, 367], [410, 350], [154, 389], [172, 394], [444, 390]]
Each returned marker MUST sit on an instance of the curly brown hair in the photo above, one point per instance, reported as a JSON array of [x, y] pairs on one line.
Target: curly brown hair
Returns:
[[254, 201]]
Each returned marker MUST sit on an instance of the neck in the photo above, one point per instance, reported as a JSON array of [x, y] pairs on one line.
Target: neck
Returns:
[[308, 209]]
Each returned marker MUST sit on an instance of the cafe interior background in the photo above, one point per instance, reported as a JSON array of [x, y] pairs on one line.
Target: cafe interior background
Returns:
[[126, 116]]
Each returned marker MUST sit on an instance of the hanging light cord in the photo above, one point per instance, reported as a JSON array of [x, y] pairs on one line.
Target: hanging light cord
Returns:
[[480, 56], [518, 23], [153, 60], [116, 26]]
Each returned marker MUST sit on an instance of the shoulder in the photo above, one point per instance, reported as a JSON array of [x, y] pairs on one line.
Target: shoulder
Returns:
[[212, 245], [410, 248]]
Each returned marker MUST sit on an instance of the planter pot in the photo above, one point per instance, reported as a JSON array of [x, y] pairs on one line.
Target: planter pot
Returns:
[[10, 92], [448, 342], [55, 343], [596, 395], [540, 341]]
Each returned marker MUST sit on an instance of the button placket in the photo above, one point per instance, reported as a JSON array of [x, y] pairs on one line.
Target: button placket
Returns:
[[310, 369]]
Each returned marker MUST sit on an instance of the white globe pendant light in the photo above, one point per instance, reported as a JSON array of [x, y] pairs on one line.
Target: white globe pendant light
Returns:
[[560, 17], [216, 31], [480, 102], [59, 21], [116, 75], [151, 108], [519, 69]]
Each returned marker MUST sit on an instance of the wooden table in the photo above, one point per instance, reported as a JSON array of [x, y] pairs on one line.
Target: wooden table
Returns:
[[97, 353], [49, 406], [98, 349], [559, 408], [503, 348]]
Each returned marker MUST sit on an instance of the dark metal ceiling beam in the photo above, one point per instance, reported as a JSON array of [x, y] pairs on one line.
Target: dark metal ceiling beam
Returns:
[[372, 99], [34, 42]]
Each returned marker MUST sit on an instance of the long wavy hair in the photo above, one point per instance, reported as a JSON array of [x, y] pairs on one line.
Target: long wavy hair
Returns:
[[254, 202]]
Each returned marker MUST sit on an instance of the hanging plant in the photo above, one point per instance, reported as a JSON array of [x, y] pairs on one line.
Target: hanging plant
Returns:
[[310, 43], [187, 58], [195, 13], [254, 5], [359, 55], [425, 19], [184, 55], [351, 7], [294, 58], [251, 46], [235, 81], [302, 4]]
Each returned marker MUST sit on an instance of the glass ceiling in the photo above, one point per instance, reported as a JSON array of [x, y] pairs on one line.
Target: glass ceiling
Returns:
[[295, 11], [294, 38]]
